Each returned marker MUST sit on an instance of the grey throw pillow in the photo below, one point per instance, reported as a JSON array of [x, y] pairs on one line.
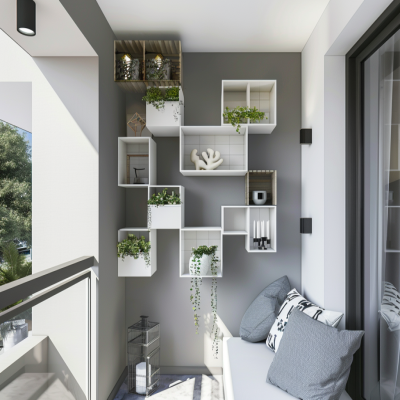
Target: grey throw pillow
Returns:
[[260, 316], [313, 361]]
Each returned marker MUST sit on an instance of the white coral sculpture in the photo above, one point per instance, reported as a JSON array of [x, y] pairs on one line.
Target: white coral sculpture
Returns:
[[213, 159]]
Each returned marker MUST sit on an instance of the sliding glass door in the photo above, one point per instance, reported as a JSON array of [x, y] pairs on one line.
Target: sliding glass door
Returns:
[[381, 266]]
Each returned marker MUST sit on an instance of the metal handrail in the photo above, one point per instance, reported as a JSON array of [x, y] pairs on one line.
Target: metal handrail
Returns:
[[23, 288]]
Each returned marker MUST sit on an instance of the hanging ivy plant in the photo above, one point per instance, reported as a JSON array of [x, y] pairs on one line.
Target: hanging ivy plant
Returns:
[[195, 295], [161, 199], [155, 97], [238, 115], [157, 70], [134, 247]]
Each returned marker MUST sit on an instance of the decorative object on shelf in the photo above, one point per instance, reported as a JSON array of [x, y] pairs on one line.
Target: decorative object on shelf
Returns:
[[202, 259], [260, 181], [139, 181], [259, 197], [161, 199], [127, 68], [239, 115], [137, 121], [261, 235], [158, 69], [305, 225], [211, 161], [136, 180], [134, 247], [143, 356], [305, 136]]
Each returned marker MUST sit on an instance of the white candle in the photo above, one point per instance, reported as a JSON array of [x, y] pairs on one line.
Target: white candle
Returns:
[[254, 229], [173, 193], [262, 229], [141, 378], [267, 229], [258, 229]]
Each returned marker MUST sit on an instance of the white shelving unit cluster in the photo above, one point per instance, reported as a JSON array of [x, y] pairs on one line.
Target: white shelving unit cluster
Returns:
[[141, 152]]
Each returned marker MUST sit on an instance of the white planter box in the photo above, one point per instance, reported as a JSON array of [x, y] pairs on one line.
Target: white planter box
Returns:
[[166, 121], [166, 217], [131, 267]]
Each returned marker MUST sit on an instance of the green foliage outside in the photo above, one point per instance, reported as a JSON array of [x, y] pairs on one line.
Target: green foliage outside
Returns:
[[15, 186]]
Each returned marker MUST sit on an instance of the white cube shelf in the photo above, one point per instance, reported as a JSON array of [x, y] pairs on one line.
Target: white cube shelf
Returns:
[[262, 213], [166, 121], [129, 267], [168, 216], [232, 146], [137, 152], [235, 220], [195, 237], [251, 93]]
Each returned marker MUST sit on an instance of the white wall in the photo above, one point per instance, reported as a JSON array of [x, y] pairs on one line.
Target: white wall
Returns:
[[323, 163], [65, 182], [16, 104]]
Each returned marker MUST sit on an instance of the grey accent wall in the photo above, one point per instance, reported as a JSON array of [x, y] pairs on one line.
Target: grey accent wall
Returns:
[[111, 289], [165, 296]]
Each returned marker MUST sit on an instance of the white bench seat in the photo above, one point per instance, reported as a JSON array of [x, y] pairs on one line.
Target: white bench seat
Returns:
[[246, 368]]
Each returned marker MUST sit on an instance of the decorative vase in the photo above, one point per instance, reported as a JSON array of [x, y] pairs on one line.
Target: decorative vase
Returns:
[[259, 197], [205, 265]]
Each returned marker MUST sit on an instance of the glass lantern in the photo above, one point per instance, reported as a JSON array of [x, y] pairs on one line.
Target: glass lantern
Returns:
[[127, 68], [144, 357]]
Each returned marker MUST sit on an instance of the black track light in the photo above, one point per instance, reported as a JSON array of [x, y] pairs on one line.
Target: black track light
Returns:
[[26, 17]]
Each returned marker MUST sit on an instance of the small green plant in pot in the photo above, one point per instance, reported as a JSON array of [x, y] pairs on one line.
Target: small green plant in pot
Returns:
[[162, 198], [134, 247], [239, 115], [202, 259], [157, 98]]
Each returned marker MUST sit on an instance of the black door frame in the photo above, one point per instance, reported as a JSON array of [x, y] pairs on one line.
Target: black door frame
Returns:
[[383, 28]]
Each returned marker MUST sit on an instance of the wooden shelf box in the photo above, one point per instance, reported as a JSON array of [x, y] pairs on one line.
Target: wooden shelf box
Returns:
[[166, 121], [261, 180], [136, 152], [251, 93], [195, 237], [168, 216], [129, 267], [145, 50], [232, 146]]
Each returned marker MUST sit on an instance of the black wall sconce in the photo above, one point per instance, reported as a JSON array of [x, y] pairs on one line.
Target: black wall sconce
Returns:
[[26, 17], [305, 136], [305, 225]]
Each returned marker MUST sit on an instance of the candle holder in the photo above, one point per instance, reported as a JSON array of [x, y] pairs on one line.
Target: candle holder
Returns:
[[263, 243], [256, 240]]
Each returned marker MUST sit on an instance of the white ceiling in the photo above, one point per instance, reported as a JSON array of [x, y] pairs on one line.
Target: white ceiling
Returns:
[[217, 25], [56, 32]]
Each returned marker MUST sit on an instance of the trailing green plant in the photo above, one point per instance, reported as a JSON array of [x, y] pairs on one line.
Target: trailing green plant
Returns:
[[157, 70], [134, 247], [161, 199], [195, 294], [155, 97], [236, 115]]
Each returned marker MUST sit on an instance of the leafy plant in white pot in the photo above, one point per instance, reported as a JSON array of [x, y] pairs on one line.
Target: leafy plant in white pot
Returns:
[[164, 110], [134, 256], [164, 210], [201, 261]]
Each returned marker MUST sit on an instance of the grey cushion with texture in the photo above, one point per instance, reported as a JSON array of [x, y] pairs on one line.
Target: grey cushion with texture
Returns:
[[260, 316], [313, 361]]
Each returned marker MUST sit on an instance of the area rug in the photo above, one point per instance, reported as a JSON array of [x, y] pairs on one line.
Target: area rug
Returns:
[[193, 387]]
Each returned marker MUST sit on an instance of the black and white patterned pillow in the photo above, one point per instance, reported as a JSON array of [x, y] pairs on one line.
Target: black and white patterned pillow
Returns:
[[295, 300]]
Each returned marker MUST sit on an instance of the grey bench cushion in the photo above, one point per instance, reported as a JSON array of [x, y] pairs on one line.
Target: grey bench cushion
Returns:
[[249, 365]]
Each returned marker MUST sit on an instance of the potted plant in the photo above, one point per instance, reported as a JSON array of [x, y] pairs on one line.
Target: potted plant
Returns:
[[239, 115], [164, 210], [133, 255], [201, 261], [158, 70], [164, 109]]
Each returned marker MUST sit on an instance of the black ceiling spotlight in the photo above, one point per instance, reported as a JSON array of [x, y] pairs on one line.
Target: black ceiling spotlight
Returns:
[[26, 17]]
